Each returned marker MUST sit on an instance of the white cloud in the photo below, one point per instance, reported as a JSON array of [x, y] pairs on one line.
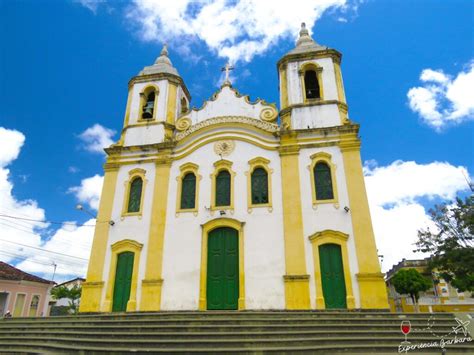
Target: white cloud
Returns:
[[235, 30], [89, 191], [443, 100], [97, 138], [21, 226], [394, 193], [92, 5]]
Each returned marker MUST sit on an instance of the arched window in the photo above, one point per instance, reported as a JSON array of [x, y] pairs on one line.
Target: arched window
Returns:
[[323, 181], [311, 84], [188, 191], [135, 195], [223, 188], [184, 105], [259, 186], [149, 105]]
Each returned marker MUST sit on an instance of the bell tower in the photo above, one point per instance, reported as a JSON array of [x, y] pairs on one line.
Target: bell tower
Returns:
[[311, 87], [157, 96]]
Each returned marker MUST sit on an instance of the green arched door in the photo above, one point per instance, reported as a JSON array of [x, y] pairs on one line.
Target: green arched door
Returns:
[[123, 281], [332, 276], [223, 269]]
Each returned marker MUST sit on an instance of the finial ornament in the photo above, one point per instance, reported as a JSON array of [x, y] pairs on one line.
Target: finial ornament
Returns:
[[227, 69], [303, 30], [164, 51], [304, 37]]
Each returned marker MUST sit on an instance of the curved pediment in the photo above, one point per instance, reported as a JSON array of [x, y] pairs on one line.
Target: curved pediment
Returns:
[[228, 102], [187, 128]]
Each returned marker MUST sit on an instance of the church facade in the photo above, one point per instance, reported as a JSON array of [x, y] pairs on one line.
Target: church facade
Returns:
[[236, 205]]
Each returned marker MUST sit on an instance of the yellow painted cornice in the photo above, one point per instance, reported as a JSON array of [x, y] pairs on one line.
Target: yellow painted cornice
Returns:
[[160, 76], [315, 102], [326, 53]]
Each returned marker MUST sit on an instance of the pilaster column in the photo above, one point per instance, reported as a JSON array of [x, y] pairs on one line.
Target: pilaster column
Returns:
[[92, 288], [296, 279], [373, 293], [153, 281]]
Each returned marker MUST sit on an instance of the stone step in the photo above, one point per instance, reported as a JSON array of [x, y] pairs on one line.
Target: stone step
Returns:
[[255, 334], [171, 344], [380, 349], [227, 328], [225, 332], [222, 321], [246, 314]]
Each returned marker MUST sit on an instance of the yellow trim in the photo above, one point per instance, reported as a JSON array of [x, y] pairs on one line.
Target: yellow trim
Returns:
[[127, 116], [296, 278], [219, 166], [185, 169], [118, 248], [326, 158], [92, 289], [319, 73], [133, 174], [331, 237], [143, 95], [152, 283], [284, 86], [372, 288], [255, 163], [171, 106], [340, 86], [206, 229]]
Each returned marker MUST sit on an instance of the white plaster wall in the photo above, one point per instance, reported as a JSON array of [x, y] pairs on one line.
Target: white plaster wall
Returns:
[[326, 216], [226, 104], [144, 134], [315, 116], [130, 227], [264, 258]]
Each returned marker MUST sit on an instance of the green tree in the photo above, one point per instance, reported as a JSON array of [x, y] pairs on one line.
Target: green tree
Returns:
[[411, 282], [451, 244], [73, 295]]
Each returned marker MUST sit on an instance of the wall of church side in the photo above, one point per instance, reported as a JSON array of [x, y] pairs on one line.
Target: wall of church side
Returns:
[[264, 257], [146, 134], [131, 227], [326, 216], [315, 116]]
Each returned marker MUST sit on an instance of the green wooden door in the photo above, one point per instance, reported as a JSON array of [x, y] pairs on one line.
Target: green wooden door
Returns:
[[123, 281], [332, 276], [223, 269]]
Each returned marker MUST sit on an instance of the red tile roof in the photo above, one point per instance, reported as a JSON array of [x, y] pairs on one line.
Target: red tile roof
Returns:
[[8, 272]]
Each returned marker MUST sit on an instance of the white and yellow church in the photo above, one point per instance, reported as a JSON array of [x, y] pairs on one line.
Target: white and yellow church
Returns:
[[236, 205]]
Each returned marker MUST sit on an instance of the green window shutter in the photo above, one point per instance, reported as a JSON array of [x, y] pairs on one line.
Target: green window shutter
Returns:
[[135, 195], [223, 188], [323, 182], [259, 182], [188, 191]]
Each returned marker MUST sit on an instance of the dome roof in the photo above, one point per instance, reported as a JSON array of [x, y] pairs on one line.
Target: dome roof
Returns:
[[162, 65], [305, 43]]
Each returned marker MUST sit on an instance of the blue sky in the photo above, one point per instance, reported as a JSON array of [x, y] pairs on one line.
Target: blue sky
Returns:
[[64, 68]]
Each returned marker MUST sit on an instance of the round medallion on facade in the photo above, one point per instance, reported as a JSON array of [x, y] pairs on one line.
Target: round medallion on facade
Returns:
[[183, 123], [269, 114], [224, 148]]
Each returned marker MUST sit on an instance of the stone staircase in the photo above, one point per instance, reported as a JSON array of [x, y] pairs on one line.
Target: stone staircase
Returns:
[[317, 332]]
